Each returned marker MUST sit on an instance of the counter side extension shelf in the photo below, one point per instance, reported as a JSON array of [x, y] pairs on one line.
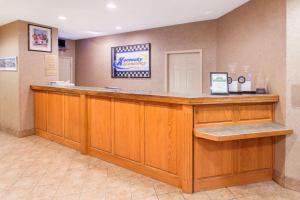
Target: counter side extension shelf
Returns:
[[241, 131]]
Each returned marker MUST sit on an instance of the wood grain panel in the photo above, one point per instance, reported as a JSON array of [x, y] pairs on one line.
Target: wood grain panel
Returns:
[[213, 158], [99, 124], [213, 114], [161, 137], [255, 112], [40, 110], [255, 154], [55, 122], [72, 117], [127, 129]]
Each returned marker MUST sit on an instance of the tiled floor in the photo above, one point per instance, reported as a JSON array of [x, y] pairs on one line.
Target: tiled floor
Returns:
[[34, 168]]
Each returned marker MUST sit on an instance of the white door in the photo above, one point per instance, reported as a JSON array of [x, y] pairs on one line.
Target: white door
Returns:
[[65, 69], [184, 72]]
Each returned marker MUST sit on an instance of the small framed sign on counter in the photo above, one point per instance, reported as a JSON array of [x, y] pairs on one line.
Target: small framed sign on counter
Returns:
[[219, 83]]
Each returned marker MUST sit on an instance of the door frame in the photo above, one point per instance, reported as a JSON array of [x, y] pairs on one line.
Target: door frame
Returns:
[[72, 67], [167, 53]]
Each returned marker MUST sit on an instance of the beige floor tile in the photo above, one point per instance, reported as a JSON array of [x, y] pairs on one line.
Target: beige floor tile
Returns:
[[27, 182], [17, 194], [163, 188], [140, 191], [44, 192], [243, 190], [148, 198], [118, 195], [171, 196], [94, 195], [69, 188], [49, 179], [196, 196], [6, 183], [68, 197], [252, 197], [33, 168], [220, 194], [90, 186]]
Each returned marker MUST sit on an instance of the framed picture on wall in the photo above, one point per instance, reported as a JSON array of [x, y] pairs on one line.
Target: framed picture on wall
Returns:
[[219, 83], [131, 61], [39, 38], [8, 63]]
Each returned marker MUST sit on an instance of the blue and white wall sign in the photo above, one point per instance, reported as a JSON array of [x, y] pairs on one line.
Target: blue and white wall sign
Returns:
[[131, 61]]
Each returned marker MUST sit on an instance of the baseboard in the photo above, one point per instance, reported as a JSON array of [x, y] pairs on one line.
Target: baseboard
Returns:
[[285, 181], [292, 183], [279, 178], [17, 133]]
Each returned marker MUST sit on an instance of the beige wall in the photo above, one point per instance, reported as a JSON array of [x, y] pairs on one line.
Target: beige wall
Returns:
[[293, 94], [16, 100], [32, 71], [93, 56], [9, 81], [254, 35], [70, 52]]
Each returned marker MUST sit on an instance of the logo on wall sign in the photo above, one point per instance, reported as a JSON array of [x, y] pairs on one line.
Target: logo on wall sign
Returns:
[[131, 61], [128, 63]]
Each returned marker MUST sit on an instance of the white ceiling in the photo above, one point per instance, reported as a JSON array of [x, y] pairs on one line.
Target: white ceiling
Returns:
[[84, 17]]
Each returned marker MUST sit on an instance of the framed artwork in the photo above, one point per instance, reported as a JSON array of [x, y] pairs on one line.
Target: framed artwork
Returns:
[[219, 83], [39, 38], [131, 61], [8, 64]]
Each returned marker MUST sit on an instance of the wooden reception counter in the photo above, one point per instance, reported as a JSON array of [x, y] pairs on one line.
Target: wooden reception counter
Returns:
[[183, 140]]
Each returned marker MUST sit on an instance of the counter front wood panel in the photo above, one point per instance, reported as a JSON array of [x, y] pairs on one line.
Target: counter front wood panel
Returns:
[[255, 154], [152, 134], [128, 129], [221, 161], [214, 114], [72, 118], [100, 123], [55, 114], [213, 159], [40, 110], [262, 111], [162, 137]]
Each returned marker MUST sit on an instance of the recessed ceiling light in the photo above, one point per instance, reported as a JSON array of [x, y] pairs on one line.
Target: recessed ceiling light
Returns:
[[62, 17], [118, 27], [111, 5], [95, 32], [208, 12]]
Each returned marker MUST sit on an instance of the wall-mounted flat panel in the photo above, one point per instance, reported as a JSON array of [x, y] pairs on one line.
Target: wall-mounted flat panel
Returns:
[[128, 131], [161, 137], [55, 112], [72, 117], [40, 112], [99, 124]]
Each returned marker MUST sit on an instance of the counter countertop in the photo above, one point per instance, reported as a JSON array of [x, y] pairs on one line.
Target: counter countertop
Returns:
[[196, 98]]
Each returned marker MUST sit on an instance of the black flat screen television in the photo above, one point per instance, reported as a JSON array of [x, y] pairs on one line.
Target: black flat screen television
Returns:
[[61, 43]]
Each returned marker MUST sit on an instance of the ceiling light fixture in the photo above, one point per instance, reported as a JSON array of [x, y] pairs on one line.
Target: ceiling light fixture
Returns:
[[118, 27], [61, 17], [208, 12], [95, 32], [111, 5]]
